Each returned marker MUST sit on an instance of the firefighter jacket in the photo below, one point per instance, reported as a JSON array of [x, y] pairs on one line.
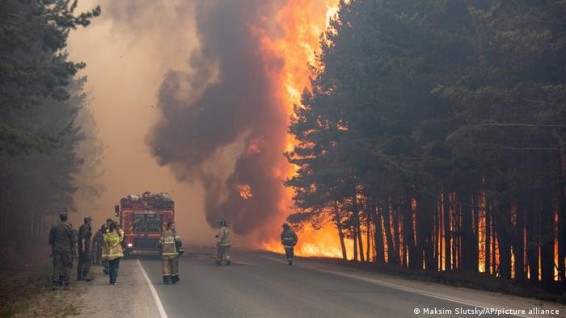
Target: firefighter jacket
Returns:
[[170, 244], [111, 246], [288, 238], [223, 237]]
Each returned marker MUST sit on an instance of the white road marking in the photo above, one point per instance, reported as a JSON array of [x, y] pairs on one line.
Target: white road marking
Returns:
[[153, 292]]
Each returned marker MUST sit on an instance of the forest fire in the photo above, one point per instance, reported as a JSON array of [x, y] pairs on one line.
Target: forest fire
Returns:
[[303, 22], [312, 242]]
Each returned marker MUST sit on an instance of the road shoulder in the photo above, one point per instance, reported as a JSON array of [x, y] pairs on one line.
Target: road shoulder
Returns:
[[130, 297]]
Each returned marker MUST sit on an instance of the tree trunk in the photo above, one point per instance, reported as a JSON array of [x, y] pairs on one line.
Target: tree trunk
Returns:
[[467, 233], [503, 229], [340, 231], [412, 251], [519, 246], [397, 236], [378, 234], [547, 240], [488, 240], [391, 255], [447, 232]]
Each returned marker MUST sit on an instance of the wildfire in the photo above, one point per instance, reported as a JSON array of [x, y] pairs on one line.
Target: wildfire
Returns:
[[303, 21], [244, 190], [313, 242]]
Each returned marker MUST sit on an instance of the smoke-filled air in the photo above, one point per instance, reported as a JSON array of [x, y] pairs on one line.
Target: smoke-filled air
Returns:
[[222, 123]]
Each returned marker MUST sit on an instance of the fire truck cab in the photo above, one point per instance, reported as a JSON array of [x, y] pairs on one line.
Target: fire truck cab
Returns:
[[142, 218]]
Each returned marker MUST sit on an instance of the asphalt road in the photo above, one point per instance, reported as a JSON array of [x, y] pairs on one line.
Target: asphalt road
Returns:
[[263, 285]]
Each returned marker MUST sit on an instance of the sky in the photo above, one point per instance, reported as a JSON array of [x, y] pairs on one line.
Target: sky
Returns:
[[190, 98]]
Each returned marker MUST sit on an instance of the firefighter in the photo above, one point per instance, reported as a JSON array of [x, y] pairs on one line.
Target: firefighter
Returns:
[[112, 251], [62, 241], [223, 244], [289, 240], [106, 229], [84, 240], [171, 247]]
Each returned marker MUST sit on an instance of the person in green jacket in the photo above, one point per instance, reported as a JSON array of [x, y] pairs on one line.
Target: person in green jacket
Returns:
[[223, 244], [112, 251]]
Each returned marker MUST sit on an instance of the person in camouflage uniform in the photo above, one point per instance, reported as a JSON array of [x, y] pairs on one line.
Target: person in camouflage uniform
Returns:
[[84, 240], [97, 245], [62, 241]]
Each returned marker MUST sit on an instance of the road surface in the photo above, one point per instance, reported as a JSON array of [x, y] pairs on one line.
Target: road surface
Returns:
[[260, 284]]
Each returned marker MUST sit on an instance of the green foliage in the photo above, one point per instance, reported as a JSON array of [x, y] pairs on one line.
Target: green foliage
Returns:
[[414, 100], [34, 65], [40, 101]]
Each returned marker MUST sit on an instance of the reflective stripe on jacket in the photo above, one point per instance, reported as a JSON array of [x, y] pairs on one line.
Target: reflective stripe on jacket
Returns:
[[111, 246], [289, 238], [167, 243], [223, 236]]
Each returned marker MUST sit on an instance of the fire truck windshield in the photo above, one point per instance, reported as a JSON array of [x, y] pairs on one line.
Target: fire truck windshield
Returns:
[[147, 222]]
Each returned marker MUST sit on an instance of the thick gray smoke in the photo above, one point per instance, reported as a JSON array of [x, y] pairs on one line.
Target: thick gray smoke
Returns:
[[221, 122]]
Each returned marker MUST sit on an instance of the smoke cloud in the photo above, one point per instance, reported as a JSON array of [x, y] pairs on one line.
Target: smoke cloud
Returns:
[[221, 122]]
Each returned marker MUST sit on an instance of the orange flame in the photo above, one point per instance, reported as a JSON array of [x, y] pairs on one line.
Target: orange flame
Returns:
[[244, 190], [314, 242], [303, 22]]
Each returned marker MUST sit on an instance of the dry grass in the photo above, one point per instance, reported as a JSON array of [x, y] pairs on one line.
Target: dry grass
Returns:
[[25, 287]]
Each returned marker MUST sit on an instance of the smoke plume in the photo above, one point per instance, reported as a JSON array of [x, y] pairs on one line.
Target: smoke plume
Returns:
[[222, 124]]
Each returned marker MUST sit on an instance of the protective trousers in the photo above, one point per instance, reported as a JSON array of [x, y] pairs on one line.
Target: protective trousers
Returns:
[[62, 266], [223, 253], [170, 265]]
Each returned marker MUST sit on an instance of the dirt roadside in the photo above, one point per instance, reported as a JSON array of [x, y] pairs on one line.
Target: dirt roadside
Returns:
[[130, 297]]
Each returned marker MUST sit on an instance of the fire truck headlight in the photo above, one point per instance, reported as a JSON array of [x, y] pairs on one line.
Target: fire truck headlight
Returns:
[[130, 244]]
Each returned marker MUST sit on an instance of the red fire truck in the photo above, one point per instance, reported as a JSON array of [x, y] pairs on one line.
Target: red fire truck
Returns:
[[143, 217]]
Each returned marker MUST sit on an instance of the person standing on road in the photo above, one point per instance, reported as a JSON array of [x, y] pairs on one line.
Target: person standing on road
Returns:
[[289, 240], [223, 244], [85, 235], [112, 251], [62, 241], [171, 247]]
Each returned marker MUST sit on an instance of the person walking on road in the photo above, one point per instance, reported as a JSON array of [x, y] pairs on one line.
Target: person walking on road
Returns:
[[105, 262], [171, 247], [85, 257], [223, 244], [112, 251], [62, 241], [289, 240]]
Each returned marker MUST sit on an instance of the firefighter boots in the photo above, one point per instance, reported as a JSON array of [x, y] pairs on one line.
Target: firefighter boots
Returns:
[[175, 279], [167, 279]]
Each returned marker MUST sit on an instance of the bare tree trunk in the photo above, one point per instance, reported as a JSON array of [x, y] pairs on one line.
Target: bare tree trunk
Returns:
[[368, 233], [547, 240], [397, 236], [447, 232], [355, 240], [340, 231], [378, 234], [391, 255], [519, 246], [487, 240]]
